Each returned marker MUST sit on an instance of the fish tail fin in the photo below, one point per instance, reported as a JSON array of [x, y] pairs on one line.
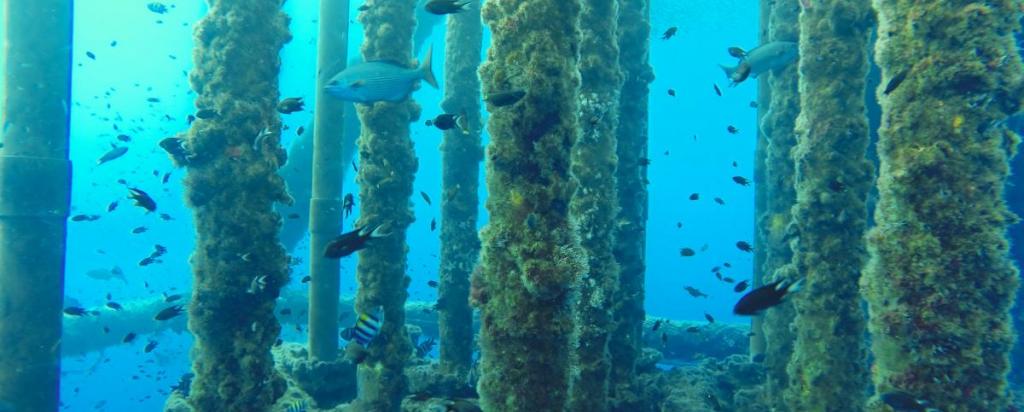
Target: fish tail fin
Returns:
[[728, 70], [428, 71], [379, 231], [795, 286]]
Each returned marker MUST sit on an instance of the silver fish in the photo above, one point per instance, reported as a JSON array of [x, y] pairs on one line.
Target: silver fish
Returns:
[[377, 81], [114, 153], [768, 56], [107, 274]]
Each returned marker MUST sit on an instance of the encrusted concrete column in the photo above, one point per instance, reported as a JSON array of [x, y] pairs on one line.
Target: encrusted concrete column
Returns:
[[828, 368], [531, 258], [940, 283], [630, 245], [595, 205], [35, 196], [231, 186], [387, 168], [777, 124], [461, 152]]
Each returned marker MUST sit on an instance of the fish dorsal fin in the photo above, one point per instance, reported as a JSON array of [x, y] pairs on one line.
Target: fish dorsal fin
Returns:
[[389, 61]]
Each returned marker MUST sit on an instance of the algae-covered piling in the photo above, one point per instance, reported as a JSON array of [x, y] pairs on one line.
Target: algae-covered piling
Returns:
[[387, 167], [828, 367], [631, 223], [231, 186], [531, 256], [460, 246], [595, 205], [778, 124], [939, 283]]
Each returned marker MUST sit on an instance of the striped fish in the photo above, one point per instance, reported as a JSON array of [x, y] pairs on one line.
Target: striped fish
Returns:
[[380, 80], [297, 406], [367, 327]]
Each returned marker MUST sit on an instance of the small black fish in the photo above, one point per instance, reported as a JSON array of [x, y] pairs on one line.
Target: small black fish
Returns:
[[432, 283], [836, 186], [447, 121], [142, 199], [679, 225], [668, 34], [719, 201], [740, 180], [672, 92], [896, 81], [150, 346], [172, 298], [744, 246], [140, 229], [175, 147], [433, 224], [727, 279], [732, 129], [294, 216], [692, 329], [664, 339], [169, 312], [306, 279], [300, 130], [711, 319], [424, 347], [764, 297], [114, 305], [347, 203], [190, 118], [904, 402], [90, 55], [112, 206], [686, 252], [425, 197], [695, 196], [502, 99], [153, 99], [442, 7], [124, 138], [364, 7], [657, 324], [291, 105], [166, 178], [84, 218], [695, 292], [75, 311], [148, 261], [351, 242], [206, 114], [740, 287], [156, 7], [128, 338], [717, 90]]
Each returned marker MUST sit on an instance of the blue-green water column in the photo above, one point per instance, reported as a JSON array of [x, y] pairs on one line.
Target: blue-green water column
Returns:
[[387, 167], [35, 192], [595, 204], [231, 187], [828, 368], [940, 283], [531, 257], [630, 246], [461, 152]]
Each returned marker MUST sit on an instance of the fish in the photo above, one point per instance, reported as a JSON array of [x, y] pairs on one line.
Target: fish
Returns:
[[129, 337], [657, 324], [695, 292], [425, 197], [112, 206], [669, 33], [769, 56], [717, 90], [695, 196], [124, 138], [380, 80], [740, 180], [433, 224], [257, 285], [306, 279], [367, 327], [206, 114], [664, 339], [76, 311], [732, 129], [261, 137], [172, 298], [156, 7], [693, 329], [300, 130], [506, 98], [461, 405], [84, 218], [114, 153], [115, 306], [107, 274], [901, 401], [764, 297], [895, 81], [432, 283], [169, 312], [297, 406], [142, 199], [448, 121], [347, 203], [686, 252], [711, 319], [442, 7], [672, 92], [150, 346], [175, 148], [741, 286], [291, 105], [90, 55], [719, 201], [140, 229], [424, 347], [744, 246], [353, 241]]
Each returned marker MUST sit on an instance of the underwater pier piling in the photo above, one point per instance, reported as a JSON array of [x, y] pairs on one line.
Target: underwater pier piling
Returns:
[[387, 168], [764, 98], [630, 246], [325, 207], [232, 185], [531, 255], [940, 283], [828, 367], [461, 154], [35, 197], [778, 124], [594, 206]]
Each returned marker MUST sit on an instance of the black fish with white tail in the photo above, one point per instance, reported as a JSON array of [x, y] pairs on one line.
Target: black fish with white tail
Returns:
[[901, 401], [352, 242], [764, 297], [142, 199], [441, 7]]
